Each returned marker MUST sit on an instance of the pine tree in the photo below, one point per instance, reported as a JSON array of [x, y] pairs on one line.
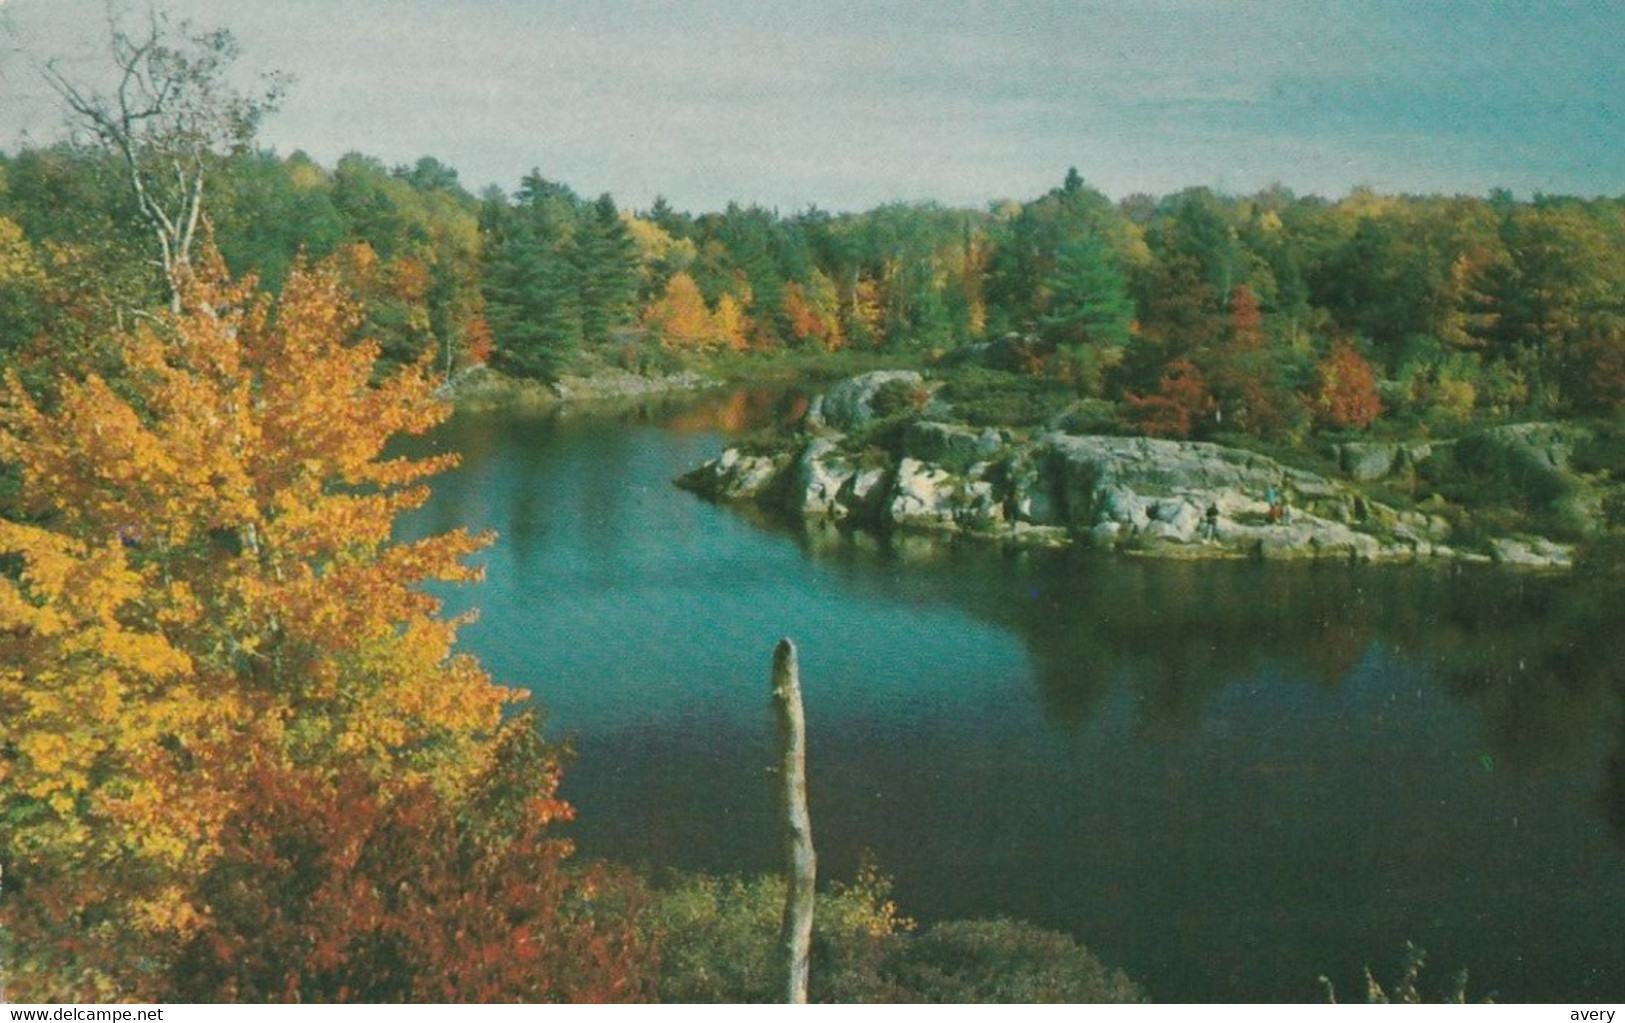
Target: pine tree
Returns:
[[533, 280], [607, 265], [1089, 302]]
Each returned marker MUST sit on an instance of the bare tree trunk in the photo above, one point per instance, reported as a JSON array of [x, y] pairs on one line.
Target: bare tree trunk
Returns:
[[800, 860], [173, 113]]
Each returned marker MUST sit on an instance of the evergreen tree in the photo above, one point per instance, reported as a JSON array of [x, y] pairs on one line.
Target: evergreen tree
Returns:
[[607, 265], [532, 282], [1025, 263], [1202, 231], [746, 235], [379, 208], [678, 225], [1089, 301]]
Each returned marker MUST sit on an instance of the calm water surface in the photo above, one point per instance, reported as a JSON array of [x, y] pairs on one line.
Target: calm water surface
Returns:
[[1227, 779]]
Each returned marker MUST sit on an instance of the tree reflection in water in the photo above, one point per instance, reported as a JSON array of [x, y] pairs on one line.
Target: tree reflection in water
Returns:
[[1227, 778], [1537, 656]]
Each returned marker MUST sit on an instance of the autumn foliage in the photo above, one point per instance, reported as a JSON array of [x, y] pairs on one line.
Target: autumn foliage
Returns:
[[1176, 407], [329, 890], [1346, 389], [682, 320], [813, 312], [203, 613]]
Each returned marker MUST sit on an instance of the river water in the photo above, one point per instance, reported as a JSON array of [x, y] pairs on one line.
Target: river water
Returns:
[[1227, 779]]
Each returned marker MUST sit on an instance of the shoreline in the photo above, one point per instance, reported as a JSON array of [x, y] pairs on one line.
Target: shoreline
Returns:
[[482, 389], [931, 477]]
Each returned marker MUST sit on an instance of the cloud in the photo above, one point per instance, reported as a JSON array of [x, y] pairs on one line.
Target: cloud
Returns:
[[847, 104]]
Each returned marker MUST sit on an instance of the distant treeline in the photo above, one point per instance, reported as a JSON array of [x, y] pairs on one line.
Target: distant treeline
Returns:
[[1258, 313]]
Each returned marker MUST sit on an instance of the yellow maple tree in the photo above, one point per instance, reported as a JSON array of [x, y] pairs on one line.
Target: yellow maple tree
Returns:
[[680, 316], [199, 581], [733, 326]]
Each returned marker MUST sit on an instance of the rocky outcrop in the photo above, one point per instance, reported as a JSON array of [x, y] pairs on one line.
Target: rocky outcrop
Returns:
[[850, 404], [1159, 492], [1159, 497], [1134, 493], [1369, 461], [1534, 552], [737, 476], [482, 386], [820, 473], [948, 443], [922, 496], [621, 384]]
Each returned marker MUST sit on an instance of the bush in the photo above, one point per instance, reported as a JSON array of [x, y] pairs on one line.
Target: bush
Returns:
[[1602, 451], [884, 434], [1004, 961], [335, 889], [1089, 416], [1513, 479], [1346, 389], [986, 397], [715, 939], [1512, 471], [899, 397], [1182, 402], [1086, 368], [718, 942]]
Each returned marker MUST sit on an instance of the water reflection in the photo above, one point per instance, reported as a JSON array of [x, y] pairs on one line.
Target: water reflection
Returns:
[[1322, 757], [741, 412], [1536, 657], [1227, 778]]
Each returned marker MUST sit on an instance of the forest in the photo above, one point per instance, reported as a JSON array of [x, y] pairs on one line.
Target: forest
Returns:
[[1270, 314], [242, 758]]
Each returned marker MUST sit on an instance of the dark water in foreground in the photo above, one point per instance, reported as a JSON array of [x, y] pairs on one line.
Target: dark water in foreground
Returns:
[[1227, 779]]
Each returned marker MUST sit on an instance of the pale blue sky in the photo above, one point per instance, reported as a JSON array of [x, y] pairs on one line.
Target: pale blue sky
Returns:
[[846, 105]]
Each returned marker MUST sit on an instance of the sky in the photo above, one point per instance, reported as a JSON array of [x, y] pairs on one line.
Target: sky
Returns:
[[847, 105]]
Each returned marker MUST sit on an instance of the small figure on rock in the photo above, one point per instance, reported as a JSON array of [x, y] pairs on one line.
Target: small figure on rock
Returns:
[[1210, 529]]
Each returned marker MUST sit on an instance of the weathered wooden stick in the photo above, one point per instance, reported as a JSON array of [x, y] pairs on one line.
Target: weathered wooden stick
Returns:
[[800, 860]]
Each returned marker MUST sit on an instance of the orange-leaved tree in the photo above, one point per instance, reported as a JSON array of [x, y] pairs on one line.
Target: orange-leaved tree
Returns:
[[329, 891], [199, 584], [1180, 403], [1346, 389]]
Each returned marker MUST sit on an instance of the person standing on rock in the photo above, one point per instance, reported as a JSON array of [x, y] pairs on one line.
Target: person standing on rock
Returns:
[[1272, 497], [1210, 531]]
